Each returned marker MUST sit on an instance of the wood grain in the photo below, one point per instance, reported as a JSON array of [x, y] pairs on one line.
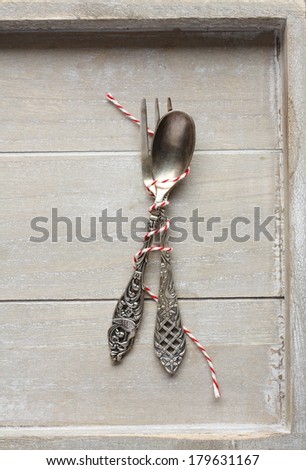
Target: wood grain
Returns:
[[296, 204], [63, 374], [200, 14], [225, 185], [107, 442], [53, 88], [284, 119]]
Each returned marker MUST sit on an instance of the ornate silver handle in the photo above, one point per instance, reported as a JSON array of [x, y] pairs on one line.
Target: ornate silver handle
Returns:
[[169, 337], [129, 309]]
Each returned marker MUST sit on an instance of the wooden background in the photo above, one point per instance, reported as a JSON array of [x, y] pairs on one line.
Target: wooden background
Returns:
[[64, 146]]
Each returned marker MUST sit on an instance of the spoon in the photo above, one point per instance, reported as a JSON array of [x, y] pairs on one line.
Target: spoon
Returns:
[[172, 149], [175, 129]]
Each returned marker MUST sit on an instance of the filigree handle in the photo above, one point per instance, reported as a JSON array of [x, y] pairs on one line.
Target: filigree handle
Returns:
[[169, 337], [128, 312]]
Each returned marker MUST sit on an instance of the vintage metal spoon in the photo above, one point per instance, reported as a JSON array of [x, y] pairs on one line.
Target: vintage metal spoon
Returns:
[[174, 143], [128, 312]]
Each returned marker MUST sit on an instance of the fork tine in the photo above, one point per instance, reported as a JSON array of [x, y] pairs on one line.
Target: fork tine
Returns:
[[144, 129], [169, 105], [157, 112], [146, 162]]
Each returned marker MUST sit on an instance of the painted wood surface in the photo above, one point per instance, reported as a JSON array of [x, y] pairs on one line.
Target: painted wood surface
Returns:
[[63, 374], [296, 198], [288, 72], [225, 185], [111, 14], [52, 439], [63, 107]]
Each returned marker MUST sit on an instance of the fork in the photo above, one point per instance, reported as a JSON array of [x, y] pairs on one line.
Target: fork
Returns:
[[129, 309]]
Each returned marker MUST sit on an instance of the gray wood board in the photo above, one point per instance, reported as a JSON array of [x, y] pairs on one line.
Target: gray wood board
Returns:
[[221, 184], [225, 16], [53, 88], [56, 369]]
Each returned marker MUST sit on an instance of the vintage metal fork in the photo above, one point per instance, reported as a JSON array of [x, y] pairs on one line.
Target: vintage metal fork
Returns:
[[129, 309]]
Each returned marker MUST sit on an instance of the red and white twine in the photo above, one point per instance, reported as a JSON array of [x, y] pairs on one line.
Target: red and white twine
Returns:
[[151, 248], [209, 362], [110, 98]]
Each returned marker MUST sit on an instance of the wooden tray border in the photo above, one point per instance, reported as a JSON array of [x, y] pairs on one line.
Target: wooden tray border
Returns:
[[287, 18]]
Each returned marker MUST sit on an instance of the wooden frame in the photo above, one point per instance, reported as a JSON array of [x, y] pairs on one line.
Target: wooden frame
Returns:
[[288, 18]]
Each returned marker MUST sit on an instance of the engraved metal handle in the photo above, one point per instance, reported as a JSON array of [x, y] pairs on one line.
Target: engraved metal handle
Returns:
[[169, 337], [129, 309]]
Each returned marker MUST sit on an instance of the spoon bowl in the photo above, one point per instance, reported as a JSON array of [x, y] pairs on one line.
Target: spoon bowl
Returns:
[[172, 149]]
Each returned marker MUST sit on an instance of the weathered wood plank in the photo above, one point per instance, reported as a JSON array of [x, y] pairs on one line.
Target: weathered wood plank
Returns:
[[199, 15], [53, 88], [109, 442], [55, 368], [135, 14], [277, 442], [295, 68], [225, 185]]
